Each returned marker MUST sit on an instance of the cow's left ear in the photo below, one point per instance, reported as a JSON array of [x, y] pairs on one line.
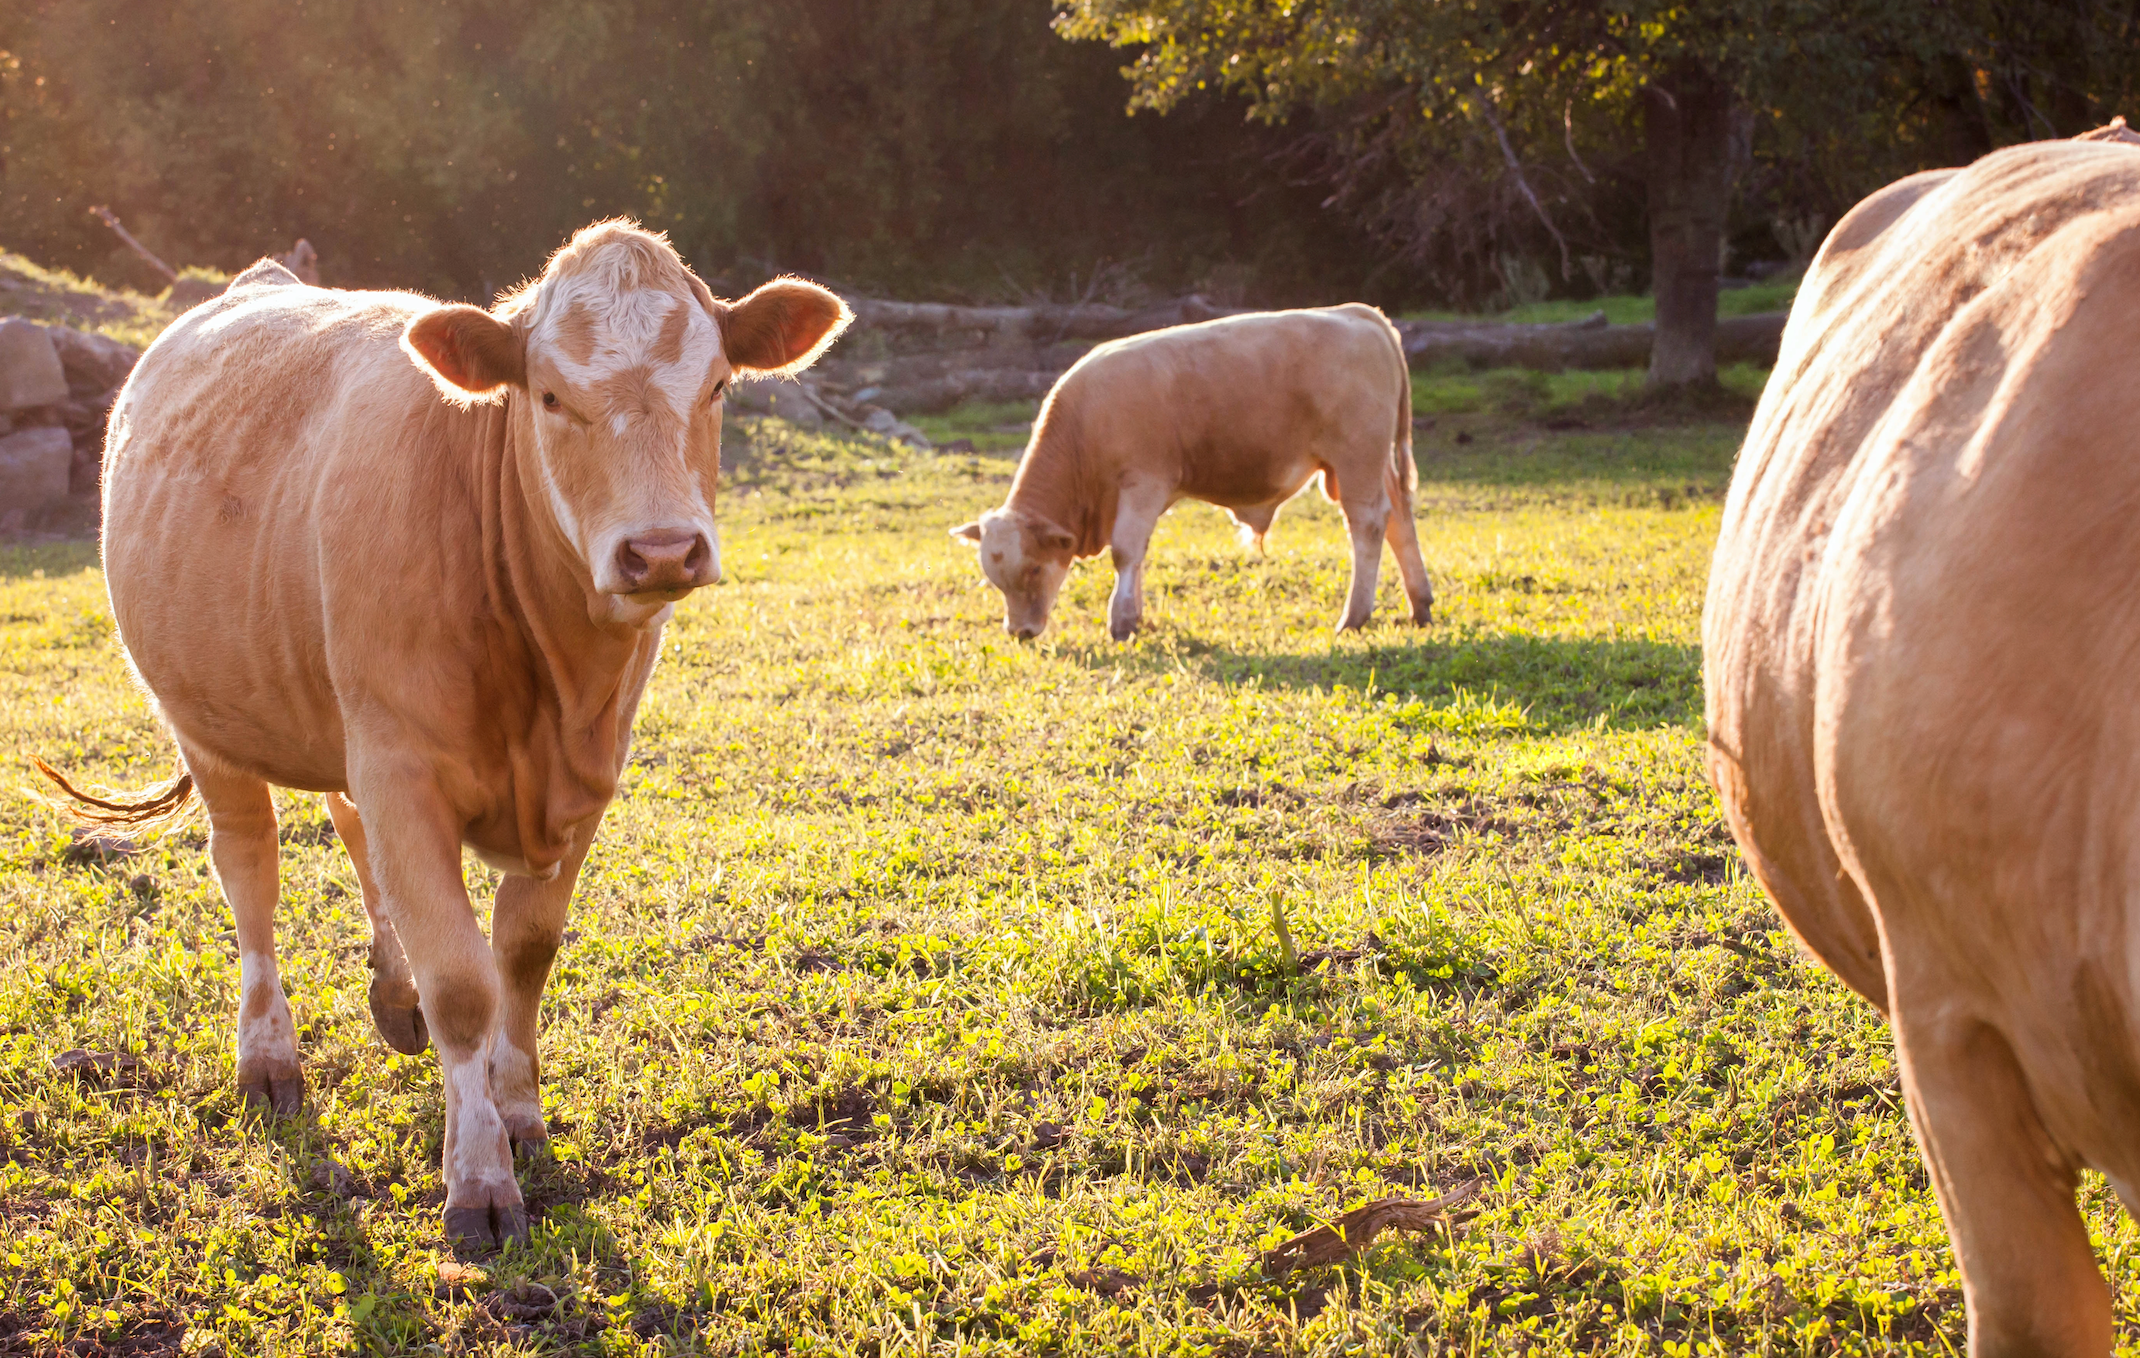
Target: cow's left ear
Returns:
[[782, 327], [468, 352], [968, 532]]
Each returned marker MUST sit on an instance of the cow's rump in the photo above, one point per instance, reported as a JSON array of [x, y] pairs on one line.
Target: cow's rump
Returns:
[[1919, 637]]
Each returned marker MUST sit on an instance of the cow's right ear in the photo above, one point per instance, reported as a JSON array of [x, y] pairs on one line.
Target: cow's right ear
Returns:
[[970, 532], [468, 352]]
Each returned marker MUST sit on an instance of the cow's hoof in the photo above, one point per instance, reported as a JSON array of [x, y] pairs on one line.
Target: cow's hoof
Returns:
[[277, 1087], [492, 1226], [1123, 633], [530, 1136], [399, 1021]]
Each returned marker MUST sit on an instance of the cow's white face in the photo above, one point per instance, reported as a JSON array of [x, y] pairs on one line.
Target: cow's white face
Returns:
[[622, 358], [1027, 560], [625, 390]]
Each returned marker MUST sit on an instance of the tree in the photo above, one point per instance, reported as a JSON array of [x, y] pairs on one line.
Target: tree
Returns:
[[939, 148], [1411, 81]]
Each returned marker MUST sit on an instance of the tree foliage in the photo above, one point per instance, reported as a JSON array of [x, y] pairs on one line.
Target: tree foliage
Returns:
[[1466, 132], [937, 147]]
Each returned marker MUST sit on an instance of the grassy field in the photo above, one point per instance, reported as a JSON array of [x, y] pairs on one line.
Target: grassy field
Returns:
[[923, 992]]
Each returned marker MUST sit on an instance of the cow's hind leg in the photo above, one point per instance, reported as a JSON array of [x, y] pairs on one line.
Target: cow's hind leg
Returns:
[[2028, 1275], [395, 1011], [246, 853], [1367, 522], [413, 842], [526, 929], [1404, 545]]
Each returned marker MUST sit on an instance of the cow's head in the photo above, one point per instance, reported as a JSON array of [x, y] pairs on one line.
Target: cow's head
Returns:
[[621, 357], [1024, 557]]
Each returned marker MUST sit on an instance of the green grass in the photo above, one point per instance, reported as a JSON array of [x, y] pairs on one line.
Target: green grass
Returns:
[[1454, 389], [1772, 294], [58, 297], [1497, 396], [922, 992], [991, 426]]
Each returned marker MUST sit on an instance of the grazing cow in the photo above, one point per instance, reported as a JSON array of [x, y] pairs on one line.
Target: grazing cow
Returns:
[[1239, 413], [1920, 641], [418, 558]]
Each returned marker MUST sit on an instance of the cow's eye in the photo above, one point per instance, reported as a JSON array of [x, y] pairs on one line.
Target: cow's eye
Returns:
[[720, 389], [549, 400]]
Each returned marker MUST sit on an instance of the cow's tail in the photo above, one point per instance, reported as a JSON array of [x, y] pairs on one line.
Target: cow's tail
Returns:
[[155, 808], [1404, 470]]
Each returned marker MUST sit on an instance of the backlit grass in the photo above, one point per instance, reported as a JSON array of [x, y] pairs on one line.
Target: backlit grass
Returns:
[[922, 992]]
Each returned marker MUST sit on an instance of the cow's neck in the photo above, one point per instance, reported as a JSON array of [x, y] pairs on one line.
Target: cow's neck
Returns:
[[1056, 483], [584, 677]]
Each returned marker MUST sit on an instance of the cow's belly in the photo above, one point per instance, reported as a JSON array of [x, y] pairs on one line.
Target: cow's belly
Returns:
[[215, 595], [1249, 481]]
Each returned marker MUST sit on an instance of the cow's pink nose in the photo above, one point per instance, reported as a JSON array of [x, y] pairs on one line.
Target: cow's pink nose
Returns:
[[668, 559]]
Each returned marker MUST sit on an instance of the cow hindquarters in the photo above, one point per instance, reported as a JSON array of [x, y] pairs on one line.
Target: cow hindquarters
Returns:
[[243, 845], [413, 842], [527, 927], [2029, 1276], [395, 1011]]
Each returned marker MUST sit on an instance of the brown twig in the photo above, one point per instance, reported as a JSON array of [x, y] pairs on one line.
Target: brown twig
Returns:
[[136, 246]]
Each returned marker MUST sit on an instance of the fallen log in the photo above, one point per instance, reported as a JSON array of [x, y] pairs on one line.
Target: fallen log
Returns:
[[1032, 324], [1588, 344], [1023, 353], [927, 396]]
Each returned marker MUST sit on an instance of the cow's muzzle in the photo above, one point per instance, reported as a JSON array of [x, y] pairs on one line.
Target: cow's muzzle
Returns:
[[667, 561]]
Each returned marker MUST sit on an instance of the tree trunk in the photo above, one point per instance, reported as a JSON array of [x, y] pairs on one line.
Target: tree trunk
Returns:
[[1687, 128]]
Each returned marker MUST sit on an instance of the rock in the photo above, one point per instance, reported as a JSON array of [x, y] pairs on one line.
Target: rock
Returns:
[[791, 401], [882, 421], [190, 291], [85, 420], [30, 371], [35, 468], [93, 363]]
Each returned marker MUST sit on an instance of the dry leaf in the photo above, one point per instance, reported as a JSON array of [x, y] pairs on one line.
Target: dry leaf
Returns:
[[1357, 1229]]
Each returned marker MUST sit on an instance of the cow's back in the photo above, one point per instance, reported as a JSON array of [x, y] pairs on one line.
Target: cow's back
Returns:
[[1919, 634], [261, 440], [1230, 405]]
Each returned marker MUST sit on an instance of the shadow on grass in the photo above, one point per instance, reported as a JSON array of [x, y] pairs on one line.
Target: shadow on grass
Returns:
[[1563, 684], [19, 560]]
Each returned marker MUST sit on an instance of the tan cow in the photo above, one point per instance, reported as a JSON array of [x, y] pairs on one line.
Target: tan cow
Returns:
[[1239, 413], [1921, 639], [418, 558]]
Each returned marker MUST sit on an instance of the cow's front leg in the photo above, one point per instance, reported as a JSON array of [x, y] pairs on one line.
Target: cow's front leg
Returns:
[[526, 929], [246, 853], [1136, 512], [395, 1012], [413, 840]]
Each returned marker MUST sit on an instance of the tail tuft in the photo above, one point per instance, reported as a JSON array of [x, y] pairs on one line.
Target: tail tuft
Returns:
[[159, 807]]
